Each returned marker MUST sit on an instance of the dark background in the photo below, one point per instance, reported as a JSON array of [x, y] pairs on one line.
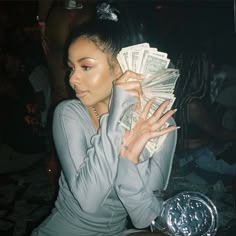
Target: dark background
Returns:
[[172, 23]]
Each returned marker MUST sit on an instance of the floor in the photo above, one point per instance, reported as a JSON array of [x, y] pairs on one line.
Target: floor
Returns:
[[27, 198]]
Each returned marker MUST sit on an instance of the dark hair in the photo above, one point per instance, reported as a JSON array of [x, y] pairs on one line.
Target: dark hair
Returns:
[[110, 36], [98, 33], [194, 65]]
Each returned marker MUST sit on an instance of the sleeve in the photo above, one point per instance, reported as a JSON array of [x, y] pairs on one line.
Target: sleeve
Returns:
[[90, 171], [135, 183]]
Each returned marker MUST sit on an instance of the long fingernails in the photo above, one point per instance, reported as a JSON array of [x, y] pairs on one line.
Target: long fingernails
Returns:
[[177, 127]]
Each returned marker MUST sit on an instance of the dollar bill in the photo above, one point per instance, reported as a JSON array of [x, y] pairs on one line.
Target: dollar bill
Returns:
[[152, 64], [159, 83]]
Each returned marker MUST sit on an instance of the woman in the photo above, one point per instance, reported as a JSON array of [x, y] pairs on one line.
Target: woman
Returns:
[[102, 181]]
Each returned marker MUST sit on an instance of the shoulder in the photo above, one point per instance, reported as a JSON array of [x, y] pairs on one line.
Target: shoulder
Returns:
[[70, 108]]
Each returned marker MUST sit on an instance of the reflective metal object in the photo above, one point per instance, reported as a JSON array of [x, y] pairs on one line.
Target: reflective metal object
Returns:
[[106, 12], [73, 4], [187, 214]]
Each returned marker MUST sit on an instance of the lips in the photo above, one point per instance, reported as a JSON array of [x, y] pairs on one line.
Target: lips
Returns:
[[80, 93]]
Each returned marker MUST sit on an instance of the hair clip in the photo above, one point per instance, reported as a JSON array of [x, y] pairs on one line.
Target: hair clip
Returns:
[[106, 12]]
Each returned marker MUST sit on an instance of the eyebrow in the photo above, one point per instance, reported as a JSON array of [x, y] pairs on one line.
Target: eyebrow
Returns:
[[86, 58], [83, 59]]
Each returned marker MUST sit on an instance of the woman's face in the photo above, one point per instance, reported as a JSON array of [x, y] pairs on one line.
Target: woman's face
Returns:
[[91, 76]]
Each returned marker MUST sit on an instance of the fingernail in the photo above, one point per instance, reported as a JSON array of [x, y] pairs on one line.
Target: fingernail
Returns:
[[177, 127], [175, 110]]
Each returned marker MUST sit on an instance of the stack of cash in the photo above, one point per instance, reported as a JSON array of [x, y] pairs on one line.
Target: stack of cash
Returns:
[[159, 83]]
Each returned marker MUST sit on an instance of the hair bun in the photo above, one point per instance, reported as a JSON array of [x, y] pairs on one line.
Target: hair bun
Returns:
[[106, 12]]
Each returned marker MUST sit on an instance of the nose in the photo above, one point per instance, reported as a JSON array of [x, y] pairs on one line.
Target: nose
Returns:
[[74, 79]]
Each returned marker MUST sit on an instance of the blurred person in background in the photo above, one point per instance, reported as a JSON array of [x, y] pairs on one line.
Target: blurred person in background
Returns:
[[202, 135], [22, 144], [56, 19]]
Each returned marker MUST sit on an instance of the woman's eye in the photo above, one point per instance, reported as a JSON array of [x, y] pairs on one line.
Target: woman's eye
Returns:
[[86, 68]]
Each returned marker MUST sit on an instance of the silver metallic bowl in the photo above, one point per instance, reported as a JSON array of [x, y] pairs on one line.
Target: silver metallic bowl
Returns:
[[187, 214]]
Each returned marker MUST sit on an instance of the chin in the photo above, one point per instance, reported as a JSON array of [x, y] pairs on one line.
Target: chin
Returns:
[[85, 103]]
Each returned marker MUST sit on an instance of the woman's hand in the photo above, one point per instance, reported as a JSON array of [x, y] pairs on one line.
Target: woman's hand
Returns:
[[131, 82], [145, 129]]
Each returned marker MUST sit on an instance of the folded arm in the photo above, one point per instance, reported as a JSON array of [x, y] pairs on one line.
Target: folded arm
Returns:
[[89, 165]]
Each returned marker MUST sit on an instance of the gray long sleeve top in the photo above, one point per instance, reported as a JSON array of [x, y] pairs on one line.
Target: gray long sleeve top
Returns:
[[98, 188]]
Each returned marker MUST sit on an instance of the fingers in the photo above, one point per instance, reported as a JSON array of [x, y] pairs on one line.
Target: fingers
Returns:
[[164, 131], [159, 111], [128, 76], [157, 114], [160, 122], [131, 82], [158, 119], [132, 87], [167, 115], [146, 109]]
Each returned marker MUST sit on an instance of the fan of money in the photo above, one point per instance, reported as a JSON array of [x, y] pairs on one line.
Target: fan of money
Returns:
[[159, 83]]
